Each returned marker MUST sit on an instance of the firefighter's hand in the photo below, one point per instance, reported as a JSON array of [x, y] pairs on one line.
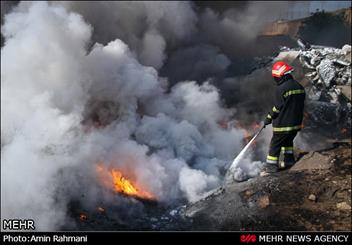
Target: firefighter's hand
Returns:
[[267, 121]]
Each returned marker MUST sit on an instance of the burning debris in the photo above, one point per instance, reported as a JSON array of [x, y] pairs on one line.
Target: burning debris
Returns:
[[83, 217], [119, 183]]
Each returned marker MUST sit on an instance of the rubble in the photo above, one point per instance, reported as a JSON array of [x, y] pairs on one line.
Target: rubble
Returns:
[[312, 161], [312, 197], [343, 206], [173, 212], [328, 67], [303, 44], [263, 201], [328, 72], [345, 91], [288, 55]]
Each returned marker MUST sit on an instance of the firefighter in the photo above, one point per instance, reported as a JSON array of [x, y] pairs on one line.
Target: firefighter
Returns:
[[286, 117]]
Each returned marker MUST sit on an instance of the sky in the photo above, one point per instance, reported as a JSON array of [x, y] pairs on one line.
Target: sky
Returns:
[[301, 9]]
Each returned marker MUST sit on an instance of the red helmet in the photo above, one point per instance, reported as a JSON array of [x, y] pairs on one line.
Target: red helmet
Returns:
[[280, 68]]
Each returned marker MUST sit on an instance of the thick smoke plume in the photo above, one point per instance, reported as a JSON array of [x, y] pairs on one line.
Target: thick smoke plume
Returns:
[[146, 28], [170, 143], [183, 40], [137, 86]]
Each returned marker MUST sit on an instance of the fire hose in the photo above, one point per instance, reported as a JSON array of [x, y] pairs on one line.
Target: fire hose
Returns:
[[229, 174], [240, 156]]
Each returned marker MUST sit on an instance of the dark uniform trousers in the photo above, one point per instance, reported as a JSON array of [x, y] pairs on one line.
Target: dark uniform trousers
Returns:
[[281, 143]]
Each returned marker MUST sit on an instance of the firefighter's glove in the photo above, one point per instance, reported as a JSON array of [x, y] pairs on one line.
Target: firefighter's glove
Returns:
[[267, 121]]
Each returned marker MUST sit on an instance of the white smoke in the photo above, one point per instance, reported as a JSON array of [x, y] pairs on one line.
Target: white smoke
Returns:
[[194, 182], [174, 148], [246, 169]]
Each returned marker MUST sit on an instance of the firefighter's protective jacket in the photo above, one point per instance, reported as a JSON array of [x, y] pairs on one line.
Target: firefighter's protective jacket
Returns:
[[287, 112]]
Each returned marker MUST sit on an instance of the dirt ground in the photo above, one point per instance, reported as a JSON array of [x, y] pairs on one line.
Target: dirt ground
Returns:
[[314, 195]]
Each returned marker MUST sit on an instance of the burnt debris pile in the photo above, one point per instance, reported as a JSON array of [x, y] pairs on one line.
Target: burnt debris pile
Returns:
[[330, 68], [329, 87]]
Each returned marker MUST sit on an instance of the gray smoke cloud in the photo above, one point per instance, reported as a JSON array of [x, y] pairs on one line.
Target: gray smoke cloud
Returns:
[[252, 95], [159, 30], [235, 30], [170, 143], [135, 86], [147, 28], [198, 62], [183, 40]]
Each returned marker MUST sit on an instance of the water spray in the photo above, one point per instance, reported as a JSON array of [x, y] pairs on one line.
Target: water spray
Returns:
[[229, 174]]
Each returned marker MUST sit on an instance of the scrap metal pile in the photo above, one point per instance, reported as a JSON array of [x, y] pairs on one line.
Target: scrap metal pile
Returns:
[[329, 90], [326, 75], [327, 72], [330, 68]]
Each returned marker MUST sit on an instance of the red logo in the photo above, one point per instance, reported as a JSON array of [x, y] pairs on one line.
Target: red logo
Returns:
[[248, 238]]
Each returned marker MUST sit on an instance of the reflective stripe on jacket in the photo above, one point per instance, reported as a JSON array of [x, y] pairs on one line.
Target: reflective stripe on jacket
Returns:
[[287, 112]]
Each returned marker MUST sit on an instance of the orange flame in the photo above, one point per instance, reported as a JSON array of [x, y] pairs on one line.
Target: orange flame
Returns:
[[121, 184], [83, 217]]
